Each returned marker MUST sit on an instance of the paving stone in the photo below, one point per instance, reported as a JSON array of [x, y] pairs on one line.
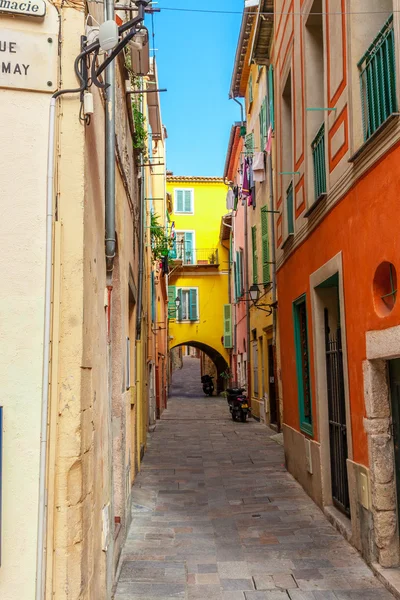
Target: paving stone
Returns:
[[212, 523]]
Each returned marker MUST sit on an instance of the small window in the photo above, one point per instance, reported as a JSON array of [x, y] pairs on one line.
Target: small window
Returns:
[[188, 304], [184, 201], [302, 364]]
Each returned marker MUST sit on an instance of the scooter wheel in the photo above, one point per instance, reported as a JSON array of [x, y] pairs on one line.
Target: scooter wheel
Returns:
[[243, 417], [233, 416]]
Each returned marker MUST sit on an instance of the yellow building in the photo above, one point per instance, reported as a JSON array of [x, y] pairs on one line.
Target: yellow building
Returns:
[[198, 282]]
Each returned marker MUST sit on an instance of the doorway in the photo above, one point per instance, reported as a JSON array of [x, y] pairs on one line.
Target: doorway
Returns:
[[273, 405], [394, 380]]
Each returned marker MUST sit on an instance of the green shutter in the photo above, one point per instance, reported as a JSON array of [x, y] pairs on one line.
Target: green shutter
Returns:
[[265, 244], [240, 270], [188, 201], [153, 298], [193, 305], [179, 201], [263, 124], [254, 249], [180, 296], [250, 89], [237, 292], [271, 97], [249, 143], [302, 364], [228, 341], [171, 301]]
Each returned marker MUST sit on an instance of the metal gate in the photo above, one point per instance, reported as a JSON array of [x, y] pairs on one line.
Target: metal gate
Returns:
[[337, 418]]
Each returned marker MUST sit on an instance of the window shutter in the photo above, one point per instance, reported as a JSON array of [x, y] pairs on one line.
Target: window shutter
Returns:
[[179, 201], [188, 201], [193, 305], [263, 124], [171, 301], [241, 289], [153, 299], [180, 309], [173, 252], [254, 244], [250, 89], [271, 97], [249, 143], [265, 244], [237, 294], [228, 342], [189, 251]]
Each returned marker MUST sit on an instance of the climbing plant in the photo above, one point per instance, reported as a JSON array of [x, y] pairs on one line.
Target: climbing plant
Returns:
[[139, 139], [161, 244]]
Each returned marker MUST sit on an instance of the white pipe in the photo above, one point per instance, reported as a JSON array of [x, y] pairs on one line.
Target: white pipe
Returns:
[[42, 509]]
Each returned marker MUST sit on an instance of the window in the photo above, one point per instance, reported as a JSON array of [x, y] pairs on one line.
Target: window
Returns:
[[289, 209], [271, 97], [265, 244], [255, 368], [378, 80], [188, 304], [239, 275], [318, 152], [263, 124], [184, 247], [302, 364], [254, 250], [249, 144], [228, 338], [184, 201]]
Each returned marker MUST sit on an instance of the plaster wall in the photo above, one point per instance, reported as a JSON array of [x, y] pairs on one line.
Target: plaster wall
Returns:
[[23, 117]]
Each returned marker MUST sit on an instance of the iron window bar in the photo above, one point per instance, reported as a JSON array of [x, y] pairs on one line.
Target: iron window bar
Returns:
[[318, 152]]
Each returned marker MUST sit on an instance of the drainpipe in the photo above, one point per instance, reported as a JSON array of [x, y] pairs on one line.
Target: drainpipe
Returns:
[[241, 109], [110, 156], [142, 223], [273, 253], [246, 260]]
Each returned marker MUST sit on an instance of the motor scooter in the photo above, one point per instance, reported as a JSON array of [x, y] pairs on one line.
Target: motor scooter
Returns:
[[208, 385], [238, 404]]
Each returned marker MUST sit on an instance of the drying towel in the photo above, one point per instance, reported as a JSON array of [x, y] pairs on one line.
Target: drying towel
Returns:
[[230, 200], [258, 166]]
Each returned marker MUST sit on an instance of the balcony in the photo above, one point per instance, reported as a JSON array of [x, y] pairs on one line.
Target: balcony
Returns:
[[187, 256]]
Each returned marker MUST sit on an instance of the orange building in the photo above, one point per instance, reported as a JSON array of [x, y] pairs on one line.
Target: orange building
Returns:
[[336, 185]]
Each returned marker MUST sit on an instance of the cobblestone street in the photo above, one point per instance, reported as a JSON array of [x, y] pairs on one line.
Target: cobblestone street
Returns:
[[217, 517]]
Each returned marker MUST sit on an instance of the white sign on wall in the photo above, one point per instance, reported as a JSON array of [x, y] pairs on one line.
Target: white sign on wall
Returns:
[[28, 8], [28, 60]]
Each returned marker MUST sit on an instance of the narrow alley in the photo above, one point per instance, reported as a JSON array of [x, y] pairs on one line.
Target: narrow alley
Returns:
[[217, 517]]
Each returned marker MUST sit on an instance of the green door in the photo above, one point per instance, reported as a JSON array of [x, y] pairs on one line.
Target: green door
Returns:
[[394, 376]]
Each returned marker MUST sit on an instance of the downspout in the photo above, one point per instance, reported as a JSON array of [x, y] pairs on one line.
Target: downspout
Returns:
[[246, 260], [110, 241], [241, 110], [142, 223]]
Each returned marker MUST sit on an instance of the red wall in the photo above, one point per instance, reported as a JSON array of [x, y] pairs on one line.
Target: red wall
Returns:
[[365, 226]]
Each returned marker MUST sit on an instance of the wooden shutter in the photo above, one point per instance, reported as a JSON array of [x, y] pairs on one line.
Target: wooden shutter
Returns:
[[263, 124], [179, 201], [271, 97], [250, 89], [188, 201], [249, 143], [237, 293], [180, 309], [171, 301], [153, 298], [241, 278], [188, 258], [254, 248], [228, 341], [265, 244], [193, 305]]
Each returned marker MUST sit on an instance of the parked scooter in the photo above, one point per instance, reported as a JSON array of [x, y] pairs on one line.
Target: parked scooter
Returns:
[[238, 404], [208, 385]]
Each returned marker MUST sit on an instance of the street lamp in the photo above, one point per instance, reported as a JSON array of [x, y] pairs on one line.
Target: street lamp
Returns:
[[254, 292], [177, 303]]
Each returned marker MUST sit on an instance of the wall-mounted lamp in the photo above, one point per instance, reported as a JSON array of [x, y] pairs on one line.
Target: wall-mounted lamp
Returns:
[[173, 311], [254, 293]]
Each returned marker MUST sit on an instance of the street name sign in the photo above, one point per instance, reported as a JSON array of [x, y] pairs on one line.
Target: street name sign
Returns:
[[28, 60], [27, 8]]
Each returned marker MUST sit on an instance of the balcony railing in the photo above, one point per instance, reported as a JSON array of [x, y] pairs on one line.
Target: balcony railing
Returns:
[[378, 80], [188, 255], [318, 152]]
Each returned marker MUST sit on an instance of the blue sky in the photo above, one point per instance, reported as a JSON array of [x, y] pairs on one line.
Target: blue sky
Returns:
[[195, 60]]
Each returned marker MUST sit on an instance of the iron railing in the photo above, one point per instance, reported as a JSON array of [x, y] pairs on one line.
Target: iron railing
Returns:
[[378, 80], [188, 255], [318, 152]]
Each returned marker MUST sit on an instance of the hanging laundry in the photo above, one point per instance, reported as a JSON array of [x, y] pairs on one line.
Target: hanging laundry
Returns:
[[252, 185], [230, 199], [236, 197], [258, 166]]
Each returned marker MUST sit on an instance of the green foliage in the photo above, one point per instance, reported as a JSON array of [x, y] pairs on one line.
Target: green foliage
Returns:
[[161, 244], [139, 140]]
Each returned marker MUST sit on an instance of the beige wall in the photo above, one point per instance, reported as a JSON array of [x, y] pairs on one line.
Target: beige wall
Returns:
[[24, 117]]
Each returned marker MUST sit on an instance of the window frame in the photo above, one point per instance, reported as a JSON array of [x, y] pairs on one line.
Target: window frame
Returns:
[[179, 291], [193, 232], [306, 423], [184, 212]]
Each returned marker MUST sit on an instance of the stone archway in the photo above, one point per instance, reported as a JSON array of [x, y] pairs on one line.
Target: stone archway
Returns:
[[219, 361]]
